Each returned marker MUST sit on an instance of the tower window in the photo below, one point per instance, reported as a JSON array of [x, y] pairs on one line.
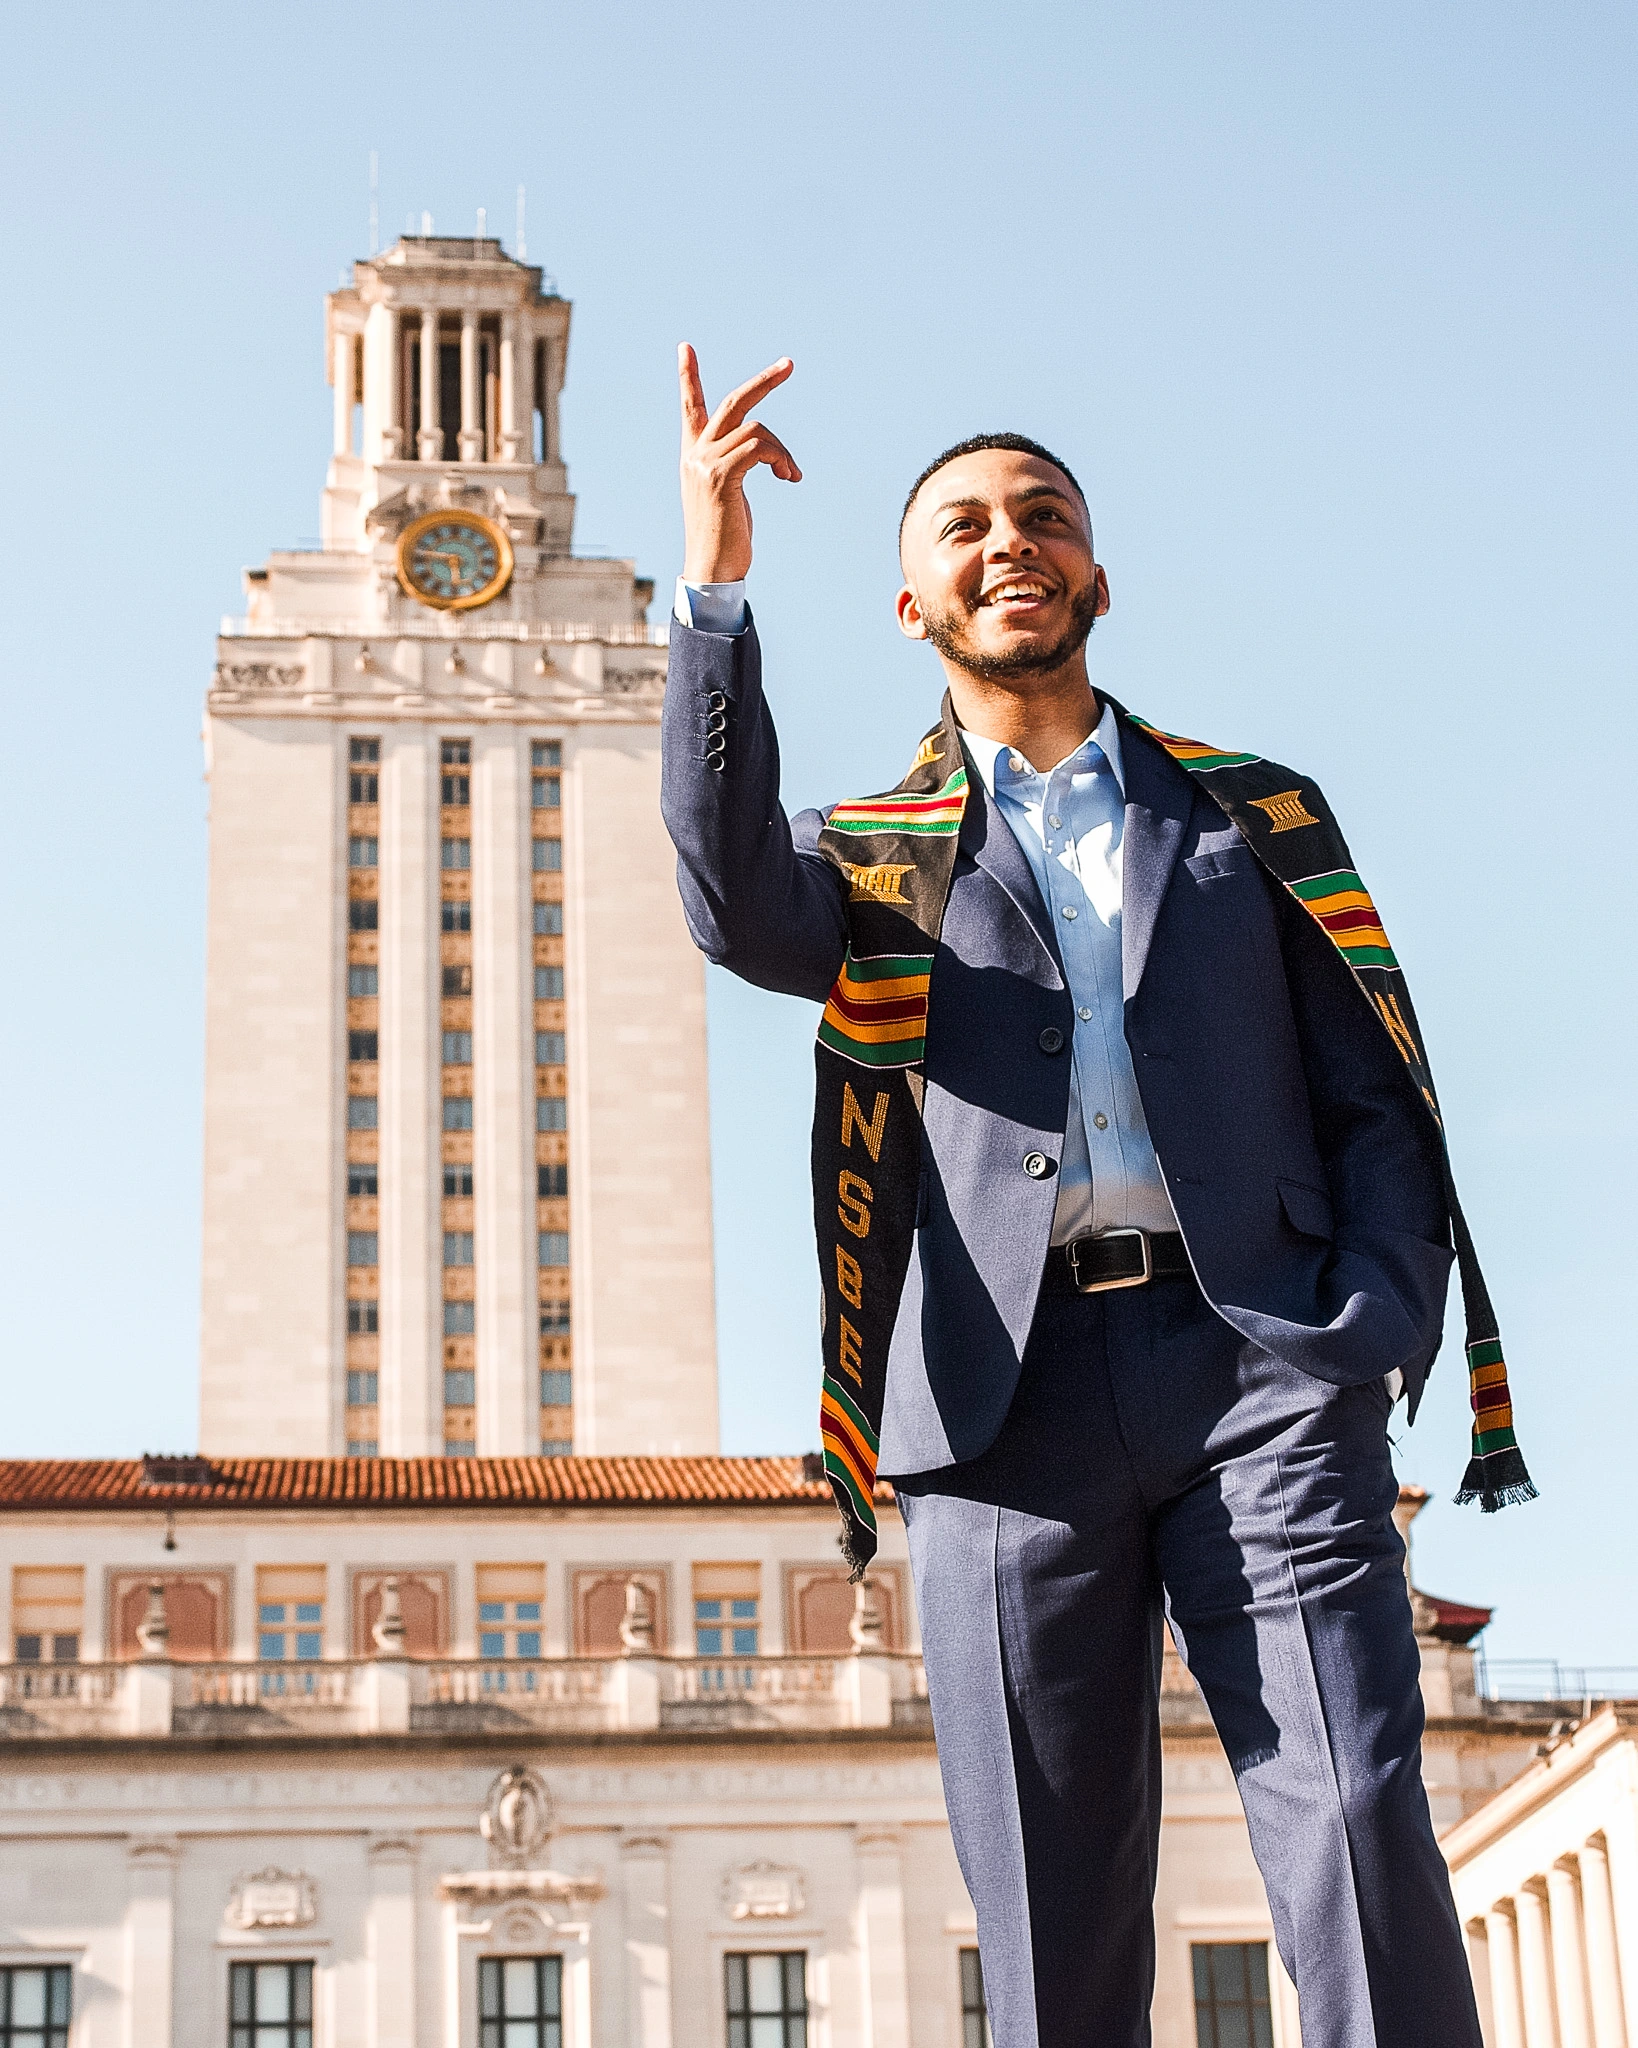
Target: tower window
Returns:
[[272, 2005], [546, 754], [362, 1112], [364, 1046], [455, 753], [551, 1181], [548, 984], [361, 1177], [363, 981], [363, 1248], [554, 1248], [362, 1389], [457, 1112], [554, 1319], [556, 1387], [460, 1387], [363, 789], [363, 750], [363, 1318], [549, 1048], [551, 1113], [457, 1048], [363, 914], [457, 1247], [546, 793], [363, 853], [520, 2001], [456, 853], [547, 855], [456, 917], [460, 1318], [549, 920], [457, 1177], [457, 790], [457, 981]]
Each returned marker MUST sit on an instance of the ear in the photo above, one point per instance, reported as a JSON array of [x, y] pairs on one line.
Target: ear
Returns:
[[1103, 590], [908, 608]]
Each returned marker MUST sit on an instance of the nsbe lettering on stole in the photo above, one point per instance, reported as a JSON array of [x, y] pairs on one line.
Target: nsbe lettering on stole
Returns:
[[854, 1195]]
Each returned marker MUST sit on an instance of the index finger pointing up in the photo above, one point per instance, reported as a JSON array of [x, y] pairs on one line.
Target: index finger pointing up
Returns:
[[737, 404], [694, 415]]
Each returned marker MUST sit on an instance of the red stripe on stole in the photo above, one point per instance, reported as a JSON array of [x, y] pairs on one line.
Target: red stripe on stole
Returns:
[[864, 1012]]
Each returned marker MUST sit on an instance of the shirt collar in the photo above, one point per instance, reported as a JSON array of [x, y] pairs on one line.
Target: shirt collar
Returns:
[[988, 756]]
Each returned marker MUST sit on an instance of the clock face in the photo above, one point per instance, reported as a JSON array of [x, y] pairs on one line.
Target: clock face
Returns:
[[454, 560]]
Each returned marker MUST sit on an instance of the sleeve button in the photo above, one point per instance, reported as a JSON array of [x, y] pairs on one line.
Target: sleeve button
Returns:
[[716, 701], [1037, 1165]]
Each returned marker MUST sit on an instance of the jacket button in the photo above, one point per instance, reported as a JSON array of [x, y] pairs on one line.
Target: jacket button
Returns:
[[1051, 1039], [717, 722], [1037, 1165], [716, 701]]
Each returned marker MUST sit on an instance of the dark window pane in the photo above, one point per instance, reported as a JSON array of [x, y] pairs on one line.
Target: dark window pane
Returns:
[[549, 920], [363, 789], [363, 914], [456, 917], [551, 1181], [457, 981], [364, 1045], [363, 750], [455, 754], [361, 1318], [457, 789]]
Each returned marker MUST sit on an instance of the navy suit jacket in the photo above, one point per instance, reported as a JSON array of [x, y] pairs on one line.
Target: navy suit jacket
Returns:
[[1304, 1171]]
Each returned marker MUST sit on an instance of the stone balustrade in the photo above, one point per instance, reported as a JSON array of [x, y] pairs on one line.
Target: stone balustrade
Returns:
[[396, 1695]]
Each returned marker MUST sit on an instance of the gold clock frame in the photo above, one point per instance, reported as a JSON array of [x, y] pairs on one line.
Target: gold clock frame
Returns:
[[455, 515]]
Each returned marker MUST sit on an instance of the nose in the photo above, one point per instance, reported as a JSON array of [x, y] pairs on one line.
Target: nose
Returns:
[[1006, 541]]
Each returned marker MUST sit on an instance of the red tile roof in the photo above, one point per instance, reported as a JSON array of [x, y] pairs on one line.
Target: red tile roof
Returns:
[[59, 1483]]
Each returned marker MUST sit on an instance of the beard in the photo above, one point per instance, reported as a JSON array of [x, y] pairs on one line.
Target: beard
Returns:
[[948, 631]]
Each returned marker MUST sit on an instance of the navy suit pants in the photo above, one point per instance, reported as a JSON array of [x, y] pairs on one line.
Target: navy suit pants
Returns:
[[1153, 1461]]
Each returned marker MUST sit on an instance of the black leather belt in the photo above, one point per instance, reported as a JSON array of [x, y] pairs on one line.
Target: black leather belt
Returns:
[[1099, 1263]]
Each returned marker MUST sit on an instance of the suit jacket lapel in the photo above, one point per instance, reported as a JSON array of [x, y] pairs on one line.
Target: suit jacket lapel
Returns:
[[989, 841], [1159, 797]]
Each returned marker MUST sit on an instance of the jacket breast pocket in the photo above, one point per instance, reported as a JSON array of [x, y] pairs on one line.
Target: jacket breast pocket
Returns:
[[1307, 1210], [1222, 863]]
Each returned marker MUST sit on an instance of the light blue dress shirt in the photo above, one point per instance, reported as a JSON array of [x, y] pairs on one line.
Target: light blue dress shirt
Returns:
[[1069, 824]]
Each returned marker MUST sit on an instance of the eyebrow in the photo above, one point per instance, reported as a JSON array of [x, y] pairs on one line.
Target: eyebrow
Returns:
[[1023, 497]]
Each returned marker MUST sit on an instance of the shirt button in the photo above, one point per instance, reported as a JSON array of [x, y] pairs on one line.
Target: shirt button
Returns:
[[1054, 823], [1037, 1165], [1051, 1039], [1101, 1121], [1016, 763], [1071, 912], [1084, 1014]]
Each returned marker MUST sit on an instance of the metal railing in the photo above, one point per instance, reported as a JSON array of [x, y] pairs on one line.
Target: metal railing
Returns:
[[1544, 1678]]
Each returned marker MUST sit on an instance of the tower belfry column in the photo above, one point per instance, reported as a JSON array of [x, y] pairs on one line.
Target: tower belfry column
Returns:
[[429, 442], [470, 444]]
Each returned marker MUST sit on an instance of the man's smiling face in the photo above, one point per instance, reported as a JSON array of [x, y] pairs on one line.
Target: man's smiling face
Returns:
[[998, 566]]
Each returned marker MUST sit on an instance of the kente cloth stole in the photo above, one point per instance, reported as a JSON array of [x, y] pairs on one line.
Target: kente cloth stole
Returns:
[[896, 854]]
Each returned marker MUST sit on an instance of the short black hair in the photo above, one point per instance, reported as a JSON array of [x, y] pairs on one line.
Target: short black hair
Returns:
[[975, 444]]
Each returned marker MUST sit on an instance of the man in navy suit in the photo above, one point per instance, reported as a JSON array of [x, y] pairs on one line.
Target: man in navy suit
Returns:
[[1181, 1242]]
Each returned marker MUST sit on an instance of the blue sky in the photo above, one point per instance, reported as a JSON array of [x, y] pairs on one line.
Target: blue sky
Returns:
[[1332, 311]]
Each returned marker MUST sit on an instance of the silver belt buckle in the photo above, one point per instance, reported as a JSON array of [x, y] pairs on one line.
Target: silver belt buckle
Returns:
[[1108, 1286]]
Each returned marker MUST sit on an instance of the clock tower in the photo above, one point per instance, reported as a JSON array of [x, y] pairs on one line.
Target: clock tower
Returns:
[[457, 1186]]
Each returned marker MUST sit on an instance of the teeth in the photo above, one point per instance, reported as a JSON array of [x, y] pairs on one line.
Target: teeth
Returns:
[[1015, 590]]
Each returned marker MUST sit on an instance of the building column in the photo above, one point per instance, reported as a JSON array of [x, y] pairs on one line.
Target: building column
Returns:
[[341, 355], [511, 440], [411, 1349], [470, 444], [1535, 1969], [1603, 1956], [884, 1990], [1506, 2010], [503, 1185], [383, 431], [1621, 1854], [429, 441], [392, 2001], [1569, 1964], [643, 1865], [150, 1942]]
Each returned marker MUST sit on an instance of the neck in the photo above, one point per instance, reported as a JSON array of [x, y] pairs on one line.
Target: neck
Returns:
[[1044, 715]]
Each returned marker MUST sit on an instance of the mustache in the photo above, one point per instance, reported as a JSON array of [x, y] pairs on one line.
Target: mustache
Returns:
[[950, 634]]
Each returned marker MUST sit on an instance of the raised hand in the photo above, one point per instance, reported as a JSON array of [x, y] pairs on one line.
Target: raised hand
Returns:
[[719, 450]]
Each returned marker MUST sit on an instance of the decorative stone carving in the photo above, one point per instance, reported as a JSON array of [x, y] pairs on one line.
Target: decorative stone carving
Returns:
[[388, 1632], [273, 1898], [763, 1891], [153, 1631], [637, 1628], [517, 1817], [258, 675]]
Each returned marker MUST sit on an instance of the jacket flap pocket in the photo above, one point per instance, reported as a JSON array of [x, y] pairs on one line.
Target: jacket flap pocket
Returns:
[[1236, 859], [1307, 1209]]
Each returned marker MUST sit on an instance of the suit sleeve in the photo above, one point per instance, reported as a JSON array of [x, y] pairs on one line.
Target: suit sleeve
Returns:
[[1382, 1152], [758, 898]]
